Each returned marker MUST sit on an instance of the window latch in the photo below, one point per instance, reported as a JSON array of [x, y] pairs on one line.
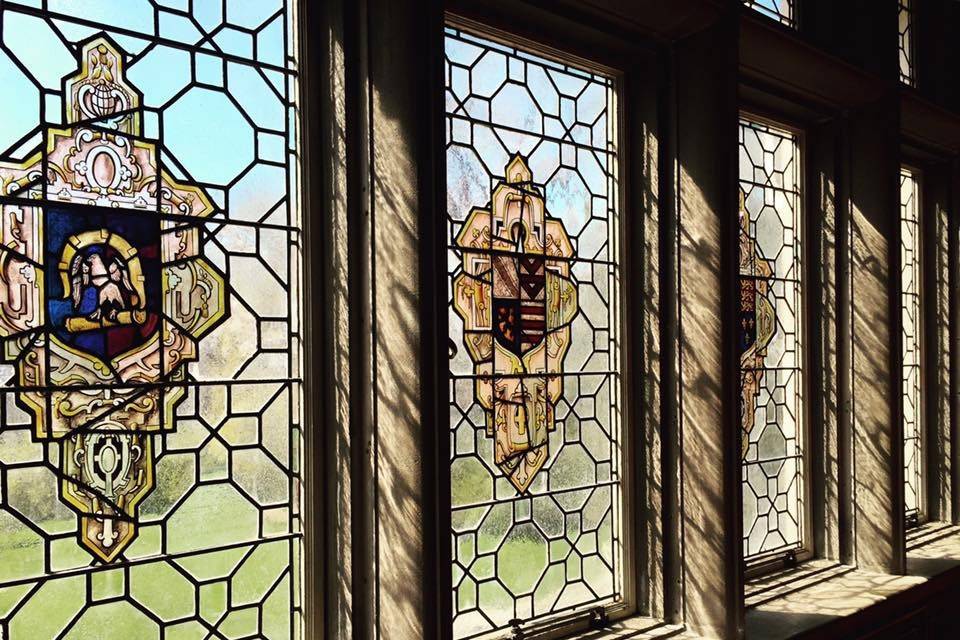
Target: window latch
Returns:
[[791, 558], [518, 633], [598, 618]]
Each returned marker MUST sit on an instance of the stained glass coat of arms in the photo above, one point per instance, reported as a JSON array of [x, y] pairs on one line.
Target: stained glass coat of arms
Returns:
[[99, 306], [517, 302]]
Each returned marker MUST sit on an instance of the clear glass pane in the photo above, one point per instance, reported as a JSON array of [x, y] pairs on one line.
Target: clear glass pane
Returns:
[[781, 10], [910, 287], [908, 74]]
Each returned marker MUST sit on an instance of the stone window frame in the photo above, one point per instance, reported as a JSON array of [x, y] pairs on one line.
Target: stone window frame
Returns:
[[939, 486]]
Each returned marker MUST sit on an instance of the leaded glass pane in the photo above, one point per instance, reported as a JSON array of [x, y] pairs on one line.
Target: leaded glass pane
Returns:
[[907, 71], [532, 204], [150, 323], [783, 11], [771, 338], [910, 287]]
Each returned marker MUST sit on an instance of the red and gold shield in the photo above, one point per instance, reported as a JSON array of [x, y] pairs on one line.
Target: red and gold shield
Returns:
[[517, 300]]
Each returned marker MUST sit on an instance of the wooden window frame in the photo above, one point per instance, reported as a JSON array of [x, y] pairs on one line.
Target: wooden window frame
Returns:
[[766, 563], [537, 31], [923, 497]]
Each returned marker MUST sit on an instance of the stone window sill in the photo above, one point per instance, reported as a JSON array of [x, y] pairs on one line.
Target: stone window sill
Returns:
[[791, 602], [786, 603], [933, 548], [637, 628]]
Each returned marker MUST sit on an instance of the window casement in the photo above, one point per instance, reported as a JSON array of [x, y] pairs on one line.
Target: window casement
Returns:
[[537, 449], [773, 411], [912, 345], [783, 11], [907, 58], [150, 431]]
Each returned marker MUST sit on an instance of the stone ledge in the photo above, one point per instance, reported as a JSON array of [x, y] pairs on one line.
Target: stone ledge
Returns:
[[813, 600], [792, 602], [638, 628], [932, 549]]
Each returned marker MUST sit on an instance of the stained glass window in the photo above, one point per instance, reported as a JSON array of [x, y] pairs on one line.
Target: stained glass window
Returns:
[[532, 203], [771, 333], [907, 72], [783, 11], [912, 322], [149, 319]]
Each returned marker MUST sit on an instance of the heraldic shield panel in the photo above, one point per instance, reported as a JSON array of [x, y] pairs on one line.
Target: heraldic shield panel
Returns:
[[101, 301], [149, 422]]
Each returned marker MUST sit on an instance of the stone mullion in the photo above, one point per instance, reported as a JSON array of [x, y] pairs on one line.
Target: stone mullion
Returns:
[[825, 229], [710, 457], [878, 474]]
